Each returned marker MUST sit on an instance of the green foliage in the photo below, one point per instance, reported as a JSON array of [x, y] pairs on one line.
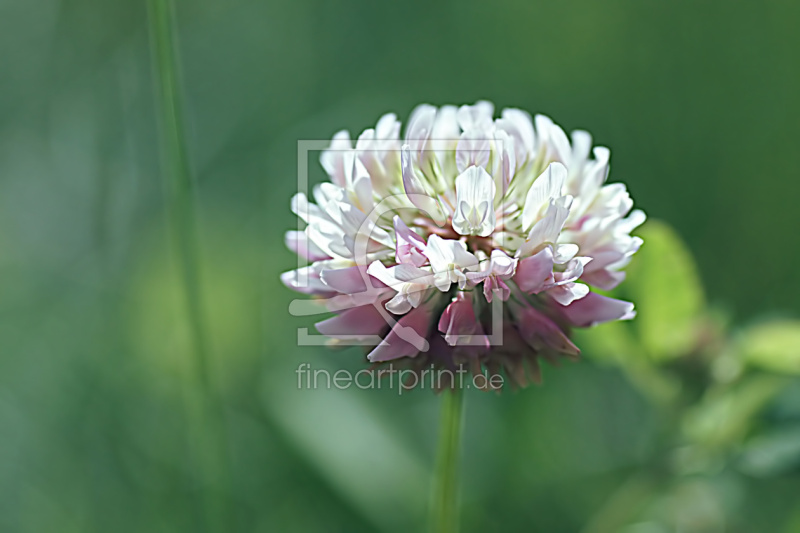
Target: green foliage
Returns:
[[773, 346], [727, 414], [664, 283], [709, 390], [773, 453]]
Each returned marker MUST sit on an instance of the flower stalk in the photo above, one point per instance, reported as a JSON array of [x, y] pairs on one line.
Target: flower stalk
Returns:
[[444, 500]]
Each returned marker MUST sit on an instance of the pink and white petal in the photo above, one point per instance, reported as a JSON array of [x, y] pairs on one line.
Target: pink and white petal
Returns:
[[306, 280], [299, 243], [573, 271], [400, 304], [409, 246], [503, 265], [568, 293], [350, 280]]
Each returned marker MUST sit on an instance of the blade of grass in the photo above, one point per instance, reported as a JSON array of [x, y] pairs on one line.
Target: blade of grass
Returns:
[[207, 436]]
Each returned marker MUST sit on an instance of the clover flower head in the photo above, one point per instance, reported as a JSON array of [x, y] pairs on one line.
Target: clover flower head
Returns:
[[421, 243]]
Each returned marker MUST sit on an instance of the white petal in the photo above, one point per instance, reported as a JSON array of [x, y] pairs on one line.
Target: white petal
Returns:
[[442, 281], [503, 266], [444, 138], [388, 127], [473, 149], [559, 143], [336, 160], [581, 146], [420, 195], [475, 192], [299, 243], [438, 253], [449, 258], [519, 126], [478, 116], [546, 187], [420, 125], [306, 211], [564, 252], [635, 219], [462, 258], [505, 160], [398, 275], [547, 229]]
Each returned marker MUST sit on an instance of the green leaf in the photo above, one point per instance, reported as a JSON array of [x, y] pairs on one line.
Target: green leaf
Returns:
[[664, 284], [773, 346]]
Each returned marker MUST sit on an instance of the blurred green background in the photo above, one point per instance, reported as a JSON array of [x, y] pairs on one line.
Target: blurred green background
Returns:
[[658, 429]]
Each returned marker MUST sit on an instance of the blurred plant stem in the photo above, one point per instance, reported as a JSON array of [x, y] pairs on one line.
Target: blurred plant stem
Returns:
[[444, 500], [207, 438]]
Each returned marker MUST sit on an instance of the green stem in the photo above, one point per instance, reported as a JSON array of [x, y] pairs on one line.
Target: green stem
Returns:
[[444, 501], [207, 441]]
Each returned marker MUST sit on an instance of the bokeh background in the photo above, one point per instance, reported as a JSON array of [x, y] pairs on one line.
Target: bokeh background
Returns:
[[698, 102]]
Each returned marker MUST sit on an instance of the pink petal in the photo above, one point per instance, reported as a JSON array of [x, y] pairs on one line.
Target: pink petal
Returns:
[[409, 244], [595, 309], [359, 322], [604, 279], [541, 332], [492, 284], [536, 272], [459, 324], [407, 337]]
